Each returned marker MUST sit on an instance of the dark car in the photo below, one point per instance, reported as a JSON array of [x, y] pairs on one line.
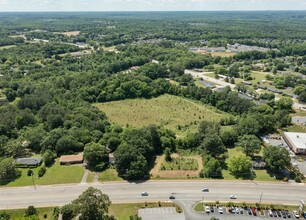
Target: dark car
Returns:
[[249, 211], [279, 214], [288, 214], [212, 209], [171, 197]]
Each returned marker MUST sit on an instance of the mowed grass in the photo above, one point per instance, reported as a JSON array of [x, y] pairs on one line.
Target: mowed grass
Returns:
[[109, 174], [175, 113], [56, 174], [18, 214], [123, 211]]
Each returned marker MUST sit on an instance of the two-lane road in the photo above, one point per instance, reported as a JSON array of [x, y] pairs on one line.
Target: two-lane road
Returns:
[[56, 195]]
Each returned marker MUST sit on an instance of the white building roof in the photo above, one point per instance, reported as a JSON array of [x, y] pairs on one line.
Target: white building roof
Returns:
[[298, 139]]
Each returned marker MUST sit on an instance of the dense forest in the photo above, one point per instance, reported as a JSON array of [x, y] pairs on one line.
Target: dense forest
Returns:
[[47, 93]]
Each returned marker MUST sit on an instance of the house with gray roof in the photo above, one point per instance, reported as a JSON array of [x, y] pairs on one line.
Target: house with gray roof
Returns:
[[29, 162]]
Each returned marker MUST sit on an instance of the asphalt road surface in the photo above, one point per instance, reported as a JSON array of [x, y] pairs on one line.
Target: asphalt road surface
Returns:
[[56, 195]]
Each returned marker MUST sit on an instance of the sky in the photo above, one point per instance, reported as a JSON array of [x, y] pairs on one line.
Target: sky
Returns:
[[150, 5]]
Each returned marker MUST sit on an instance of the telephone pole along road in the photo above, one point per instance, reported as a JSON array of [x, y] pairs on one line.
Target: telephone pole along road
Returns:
[[123, 192]]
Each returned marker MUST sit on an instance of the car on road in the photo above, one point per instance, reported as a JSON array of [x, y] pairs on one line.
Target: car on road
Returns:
[[172, 197], [296, 214], [207, 209], [144, 194], [233, 197], [205, 189], [220, 210]]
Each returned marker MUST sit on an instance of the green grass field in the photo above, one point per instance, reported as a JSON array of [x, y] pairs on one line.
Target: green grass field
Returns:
[[109, 174], [56, 174], [18, 214], [167, 110], [123, 211]]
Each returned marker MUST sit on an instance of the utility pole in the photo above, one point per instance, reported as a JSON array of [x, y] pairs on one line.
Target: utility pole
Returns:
[[260, 198], [33, 180]]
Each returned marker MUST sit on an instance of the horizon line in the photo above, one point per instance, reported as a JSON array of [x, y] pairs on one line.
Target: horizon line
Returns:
[[249, 10]]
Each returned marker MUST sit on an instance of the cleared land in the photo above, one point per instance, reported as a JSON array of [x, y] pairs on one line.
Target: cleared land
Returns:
[[56, 174], [71, 33], [175, 113], [170, 170], [7, 47]]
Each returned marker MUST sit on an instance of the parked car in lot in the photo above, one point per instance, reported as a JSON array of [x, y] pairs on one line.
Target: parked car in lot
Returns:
[[221, 210], [241, 211], [207, 209], [296, 214], [205, 189], [237, 210], [144, 194], [288, 214], [304, 215], [212, 209], [249, 211], [270, 213], [233, 197], [254, 211]]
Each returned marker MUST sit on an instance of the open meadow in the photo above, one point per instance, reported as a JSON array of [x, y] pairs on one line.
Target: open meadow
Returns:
[[175, 113]]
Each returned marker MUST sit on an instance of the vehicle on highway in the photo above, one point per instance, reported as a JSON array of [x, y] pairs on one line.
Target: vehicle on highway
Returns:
[[144, 194], [172, 197], [233, 197], [207, 209], [205, 189], [296, 214], [221, 210]]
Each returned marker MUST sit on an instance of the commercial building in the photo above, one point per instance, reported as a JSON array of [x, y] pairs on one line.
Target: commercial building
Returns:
[[296, 141]]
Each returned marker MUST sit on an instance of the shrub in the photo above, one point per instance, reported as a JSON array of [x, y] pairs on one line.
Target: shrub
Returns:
[[4, 216], [30, 172], [31, 210], [42, 170], [67, 212]]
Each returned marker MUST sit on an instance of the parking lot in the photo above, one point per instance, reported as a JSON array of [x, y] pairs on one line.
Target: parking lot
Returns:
[[247, 213]]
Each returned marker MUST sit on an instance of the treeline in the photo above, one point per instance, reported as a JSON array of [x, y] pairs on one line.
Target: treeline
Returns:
[[4, 41]]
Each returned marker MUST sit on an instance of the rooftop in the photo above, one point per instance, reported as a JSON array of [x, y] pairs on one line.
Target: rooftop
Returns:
[[298, 139], [29, 161], [71, 158]]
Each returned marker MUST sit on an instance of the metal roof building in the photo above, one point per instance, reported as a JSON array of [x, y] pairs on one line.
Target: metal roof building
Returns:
[[296, 141]]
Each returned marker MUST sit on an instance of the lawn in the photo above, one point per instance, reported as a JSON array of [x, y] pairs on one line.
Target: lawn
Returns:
[[180, 163], [109, 174], [56, 174], [175, 113], [18, 214], [123, 211]]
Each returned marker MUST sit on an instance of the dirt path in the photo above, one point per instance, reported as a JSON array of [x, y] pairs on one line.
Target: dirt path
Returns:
[[158, 163]]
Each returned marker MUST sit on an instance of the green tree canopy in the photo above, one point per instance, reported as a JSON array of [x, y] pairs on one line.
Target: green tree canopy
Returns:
[[92, 204], [277, 158], [240, 166], [249, 144]]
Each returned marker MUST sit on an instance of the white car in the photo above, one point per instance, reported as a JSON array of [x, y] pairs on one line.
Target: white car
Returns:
[[144, 194], [233, 197], [220, 210], [207, 209], [296, 214]]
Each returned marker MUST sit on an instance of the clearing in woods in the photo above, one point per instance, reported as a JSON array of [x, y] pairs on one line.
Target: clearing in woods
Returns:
[[178, 114]]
